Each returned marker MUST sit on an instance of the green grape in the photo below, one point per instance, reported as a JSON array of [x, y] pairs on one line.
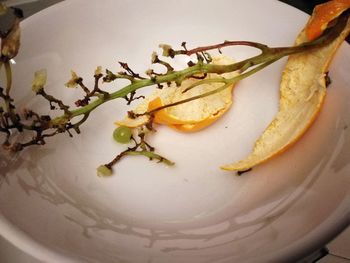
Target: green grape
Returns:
[[122, 134], [103, 170]]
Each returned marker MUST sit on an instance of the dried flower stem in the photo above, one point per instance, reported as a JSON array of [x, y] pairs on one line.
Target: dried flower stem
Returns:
[[71, 119], [268, 56]]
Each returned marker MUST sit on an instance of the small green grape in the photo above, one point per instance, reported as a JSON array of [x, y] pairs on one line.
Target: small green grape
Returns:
[[103, 170], [122, 134]]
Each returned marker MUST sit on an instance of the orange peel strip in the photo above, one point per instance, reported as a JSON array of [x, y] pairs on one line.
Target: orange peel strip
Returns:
[[302, 93], [323, 14]]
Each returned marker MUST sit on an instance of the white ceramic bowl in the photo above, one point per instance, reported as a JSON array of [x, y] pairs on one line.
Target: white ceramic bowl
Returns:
[[54, 207]]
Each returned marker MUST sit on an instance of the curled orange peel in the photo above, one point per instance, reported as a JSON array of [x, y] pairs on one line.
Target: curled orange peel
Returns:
[[323, 14], [162, 116], [191, 116], [302, 93]]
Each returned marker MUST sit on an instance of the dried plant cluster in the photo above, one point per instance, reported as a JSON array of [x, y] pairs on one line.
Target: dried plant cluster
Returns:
[[14, 120]]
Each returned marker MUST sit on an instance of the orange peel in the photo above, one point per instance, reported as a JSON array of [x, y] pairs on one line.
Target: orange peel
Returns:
[[162, 116], [190, 116], [302, 93], [323, 14]]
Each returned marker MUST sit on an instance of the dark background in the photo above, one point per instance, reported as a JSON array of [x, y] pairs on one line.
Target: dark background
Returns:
[[306, 6]]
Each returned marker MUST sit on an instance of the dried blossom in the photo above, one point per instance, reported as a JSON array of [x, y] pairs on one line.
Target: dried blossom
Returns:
[[39, 81], [73, 82]]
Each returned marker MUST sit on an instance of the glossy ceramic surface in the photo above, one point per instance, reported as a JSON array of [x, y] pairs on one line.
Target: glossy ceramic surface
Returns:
[[53, 206]]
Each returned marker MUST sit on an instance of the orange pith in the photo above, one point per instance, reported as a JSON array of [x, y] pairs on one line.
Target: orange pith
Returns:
[[193, 127], [162, 117], [194, 115]]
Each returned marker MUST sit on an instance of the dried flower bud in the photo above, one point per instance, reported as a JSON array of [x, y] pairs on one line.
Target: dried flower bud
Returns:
[[98, 71], [110, 76], [150, 72], [39, 80], [73, 82], [168, 51], [10, 44], [154, 57], [103, 171]]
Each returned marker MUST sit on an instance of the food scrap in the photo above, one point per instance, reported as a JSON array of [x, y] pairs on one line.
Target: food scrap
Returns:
[[323, 15], [302, 93], [186, 117]]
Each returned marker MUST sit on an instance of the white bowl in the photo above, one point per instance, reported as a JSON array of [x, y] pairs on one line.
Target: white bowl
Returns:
[[54, 207]]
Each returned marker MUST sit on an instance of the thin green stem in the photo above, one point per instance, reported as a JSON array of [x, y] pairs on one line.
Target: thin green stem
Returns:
[[228, 82], [205, 81], [268, 56], [137, 84]]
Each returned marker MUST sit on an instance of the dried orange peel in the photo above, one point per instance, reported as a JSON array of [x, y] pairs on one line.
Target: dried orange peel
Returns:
[[323, 14], [302, 93], [191, 116]]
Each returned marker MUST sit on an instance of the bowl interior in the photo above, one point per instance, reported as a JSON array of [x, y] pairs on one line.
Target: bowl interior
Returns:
[[53, 205]]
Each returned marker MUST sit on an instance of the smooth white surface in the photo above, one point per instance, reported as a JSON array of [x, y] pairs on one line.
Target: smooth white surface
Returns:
[[54, 207]]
